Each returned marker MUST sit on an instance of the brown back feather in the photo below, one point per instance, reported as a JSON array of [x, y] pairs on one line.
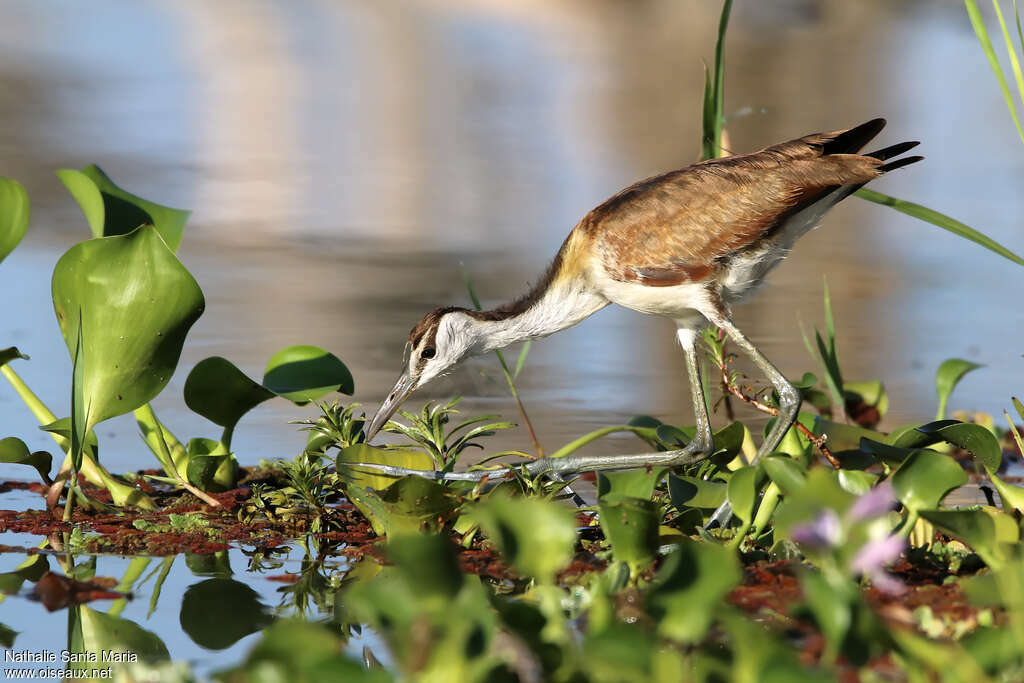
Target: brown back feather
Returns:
[[674, 227]]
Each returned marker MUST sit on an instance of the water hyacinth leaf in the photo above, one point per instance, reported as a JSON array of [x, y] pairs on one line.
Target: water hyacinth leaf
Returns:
[[62, 428], [918, 436], [91, 631], [786, 472], [9, 354], [218, 612], [949, 374], [209, 465], [369, 479], [631, 526], [742, 491], [220, 392], [689, 587], [31, 570], [857, 482], [298, 651], [924, 479], [976, 528], [14, 214], [638, 483], [975, 439], [131, 303], [14, 451], [112, 211], [871, 393], [938, 219], [695, 492], [305, 373], [842, 437], [535, 536], [890, 455], [409, 505], [1012, 496], [728, 441], [430, 564]]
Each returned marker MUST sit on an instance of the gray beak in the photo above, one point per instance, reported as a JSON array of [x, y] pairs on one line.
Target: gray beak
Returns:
[[403, 387]]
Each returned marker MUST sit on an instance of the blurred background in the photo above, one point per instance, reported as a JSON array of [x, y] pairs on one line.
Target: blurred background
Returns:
[[344, 160]]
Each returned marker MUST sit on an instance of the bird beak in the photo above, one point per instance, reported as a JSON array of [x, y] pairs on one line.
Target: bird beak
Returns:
[[403, 387]]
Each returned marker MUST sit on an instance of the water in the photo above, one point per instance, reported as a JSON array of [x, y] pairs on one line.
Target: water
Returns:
[[344, 160]]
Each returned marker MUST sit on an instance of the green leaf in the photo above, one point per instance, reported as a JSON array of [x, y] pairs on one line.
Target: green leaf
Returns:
[[14, 214], [785, 472], [871, 392], [217, 613], [131, 303], [977, 440], [638, 483], [535, 536], [13, 450], [695, 492], [368, 479], [305, 373], [924, 479], [941, 220], [714, 92], [9, 354], [947, 377], [220, 392], [742, 492], [409, 505], [112, 211], [209, 466], [986, 45], [102, 634], [689, 588], [843, 437], [976, 528], [298, 651], [631, 526]]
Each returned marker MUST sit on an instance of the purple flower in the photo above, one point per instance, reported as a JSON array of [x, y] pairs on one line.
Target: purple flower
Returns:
[[825, 531], [874, 556], [875, 503]]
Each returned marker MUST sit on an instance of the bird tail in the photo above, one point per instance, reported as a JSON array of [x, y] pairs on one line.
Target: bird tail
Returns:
[[894, 151]]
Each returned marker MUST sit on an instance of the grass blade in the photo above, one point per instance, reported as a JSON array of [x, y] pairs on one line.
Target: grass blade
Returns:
[[986, 45], [1011, 51], [714, 92], [941, 220]]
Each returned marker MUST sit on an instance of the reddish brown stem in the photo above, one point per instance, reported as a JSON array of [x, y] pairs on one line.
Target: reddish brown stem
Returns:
[[818, 441]]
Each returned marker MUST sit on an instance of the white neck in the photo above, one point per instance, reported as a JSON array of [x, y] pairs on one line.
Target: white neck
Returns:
[[556, 309]]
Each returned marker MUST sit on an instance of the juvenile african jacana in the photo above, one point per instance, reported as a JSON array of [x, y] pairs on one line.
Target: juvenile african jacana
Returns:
[[685, 245]]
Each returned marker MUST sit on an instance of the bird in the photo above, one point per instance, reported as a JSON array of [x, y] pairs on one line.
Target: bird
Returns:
[[686, 245]]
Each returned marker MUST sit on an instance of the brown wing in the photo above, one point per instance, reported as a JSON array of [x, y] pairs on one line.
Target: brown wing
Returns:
[[672, 228]]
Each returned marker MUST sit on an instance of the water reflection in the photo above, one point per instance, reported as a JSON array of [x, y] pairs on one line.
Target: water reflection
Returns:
[[343, 159], [190, 608]]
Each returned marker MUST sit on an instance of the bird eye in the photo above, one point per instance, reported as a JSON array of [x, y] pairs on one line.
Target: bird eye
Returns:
[[428, 352]]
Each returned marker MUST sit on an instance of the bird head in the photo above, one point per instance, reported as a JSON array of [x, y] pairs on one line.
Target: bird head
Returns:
[[439, 341]]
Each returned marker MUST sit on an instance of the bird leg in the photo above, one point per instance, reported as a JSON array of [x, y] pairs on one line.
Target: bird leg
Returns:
[[699, 448], [789, 405]]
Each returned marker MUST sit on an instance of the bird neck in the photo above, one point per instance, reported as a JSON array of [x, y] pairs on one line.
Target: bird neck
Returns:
[[540, 314]]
